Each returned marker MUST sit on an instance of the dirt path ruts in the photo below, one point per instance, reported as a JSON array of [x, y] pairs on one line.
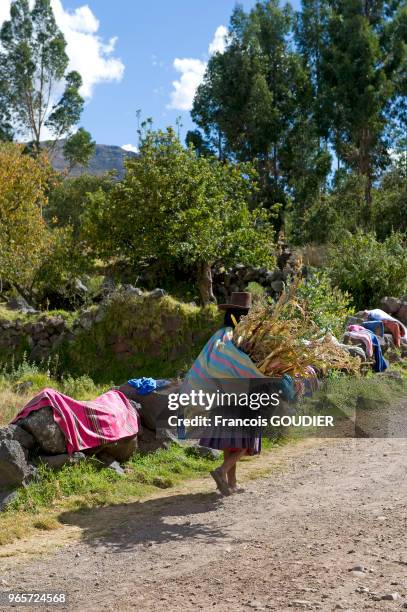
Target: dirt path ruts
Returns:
[[287, 543]]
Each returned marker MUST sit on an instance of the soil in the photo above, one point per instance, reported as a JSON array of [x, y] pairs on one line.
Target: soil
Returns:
[[325, 529]]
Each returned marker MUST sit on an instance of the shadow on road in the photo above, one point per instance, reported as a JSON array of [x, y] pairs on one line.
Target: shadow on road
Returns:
[[152, 521]]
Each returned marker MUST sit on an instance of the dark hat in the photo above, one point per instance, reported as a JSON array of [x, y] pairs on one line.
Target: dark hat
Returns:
[[239, 300]]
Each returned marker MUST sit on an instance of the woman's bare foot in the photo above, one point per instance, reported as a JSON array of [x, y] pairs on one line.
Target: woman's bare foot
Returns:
[[221, 482]]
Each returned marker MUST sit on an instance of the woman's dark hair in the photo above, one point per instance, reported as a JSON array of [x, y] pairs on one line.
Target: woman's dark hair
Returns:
[[237, 313]]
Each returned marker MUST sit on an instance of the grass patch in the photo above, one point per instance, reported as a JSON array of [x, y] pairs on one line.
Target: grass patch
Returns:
[[81, 486]]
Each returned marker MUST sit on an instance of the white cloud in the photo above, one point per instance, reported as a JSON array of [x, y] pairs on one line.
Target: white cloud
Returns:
[[88, 53], [219, 40], [130, 147], [192, 72]]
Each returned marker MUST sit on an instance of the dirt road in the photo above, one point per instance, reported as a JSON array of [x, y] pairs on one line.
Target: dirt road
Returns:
[[289, 542]]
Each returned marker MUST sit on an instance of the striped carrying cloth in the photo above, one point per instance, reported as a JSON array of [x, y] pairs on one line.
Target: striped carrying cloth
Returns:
[[220, 358], [87, 424]]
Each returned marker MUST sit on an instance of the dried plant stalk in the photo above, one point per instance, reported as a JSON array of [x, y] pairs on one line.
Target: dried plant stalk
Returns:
[[283, 339]]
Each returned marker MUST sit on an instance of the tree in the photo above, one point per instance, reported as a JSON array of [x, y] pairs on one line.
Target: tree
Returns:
[[175, 205], [78, 149], [68, 199], [254, 94], [362, 63], [33, 67], [24, 238]]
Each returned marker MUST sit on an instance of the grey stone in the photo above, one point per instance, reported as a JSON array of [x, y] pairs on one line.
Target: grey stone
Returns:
[[122, 450], [205, 451], [134, 291], [23, 387], [19, 303], [402, 313], [6, 497], [390, 597], [56, 462], [277, 286], [390, 305], [17, 433], [79, 286], [157, 293], [14, 469], [109, 462], [40, 424]]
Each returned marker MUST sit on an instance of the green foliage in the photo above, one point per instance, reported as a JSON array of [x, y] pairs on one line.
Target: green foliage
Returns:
[[361, 63], [328, 216], [390, 202], [370, 269], [174, 205], [68, 199], [33, 65], [79, 148], [329, 306], [141, 336], [256, 101], [25, 240], [92, 486]]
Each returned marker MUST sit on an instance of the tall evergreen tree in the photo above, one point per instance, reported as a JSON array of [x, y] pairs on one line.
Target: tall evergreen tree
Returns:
[[249, 101], [361, 66], [33, 65]]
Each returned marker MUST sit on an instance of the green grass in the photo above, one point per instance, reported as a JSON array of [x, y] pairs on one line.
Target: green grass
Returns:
[[85, 485]]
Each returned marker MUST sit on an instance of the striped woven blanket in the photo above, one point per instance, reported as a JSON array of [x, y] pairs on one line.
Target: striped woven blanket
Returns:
[[87, 424], [220, 358]]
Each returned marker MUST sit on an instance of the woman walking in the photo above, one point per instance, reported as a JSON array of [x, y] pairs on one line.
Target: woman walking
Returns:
[[221, 359]]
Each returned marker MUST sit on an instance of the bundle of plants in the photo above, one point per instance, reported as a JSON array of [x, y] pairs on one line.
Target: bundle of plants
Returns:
[[282, 338]]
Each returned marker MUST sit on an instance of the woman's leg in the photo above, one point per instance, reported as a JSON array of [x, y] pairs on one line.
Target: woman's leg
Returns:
[[231, 475]]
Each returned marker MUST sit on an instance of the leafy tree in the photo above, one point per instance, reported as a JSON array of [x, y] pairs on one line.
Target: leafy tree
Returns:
[[174, 205], [255, 101], [79, 148], [33, 66], [24, 238], [362, 62], [369, 269], [68, 199]]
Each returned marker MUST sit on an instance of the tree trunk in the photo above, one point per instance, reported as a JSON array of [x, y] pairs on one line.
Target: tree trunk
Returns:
[[205, 284]]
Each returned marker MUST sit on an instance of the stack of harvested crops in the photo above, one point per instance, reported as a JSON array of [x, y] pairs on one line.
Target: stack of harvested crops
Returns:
[[283, 339]]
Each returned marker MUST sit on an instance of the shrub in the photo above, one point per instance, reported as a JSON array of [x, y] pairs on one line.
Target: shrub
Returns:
[[328, 305], [370, 269]]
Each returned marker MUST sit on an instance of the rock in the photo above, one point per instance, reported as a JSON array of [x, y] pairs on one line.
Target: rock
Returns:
[[157, 293], [14, 469], [56, 462], [109, 462], [205, 451], [122, 450], [390, 305], [17, 433], [358, 568], [402, 313], [6, 497], [23, 387], [134, 291], [41, 425], [277, 286], [79, 286], [390, 597], [19, 303]]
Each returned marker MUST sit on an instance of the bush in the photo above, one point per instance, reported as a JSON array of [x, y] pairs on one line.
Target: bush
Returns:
[[370, 269], [328, 305]]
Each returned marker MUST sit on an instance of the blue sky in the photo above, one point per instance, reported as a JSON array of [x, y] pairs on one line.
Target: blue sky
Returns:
[[128, 52]]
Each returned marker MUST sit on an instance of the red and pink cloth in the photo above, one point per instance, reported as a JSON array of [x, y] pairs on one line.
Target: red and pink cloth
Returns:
[[357, 332], [394, 326], [87, 424]]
